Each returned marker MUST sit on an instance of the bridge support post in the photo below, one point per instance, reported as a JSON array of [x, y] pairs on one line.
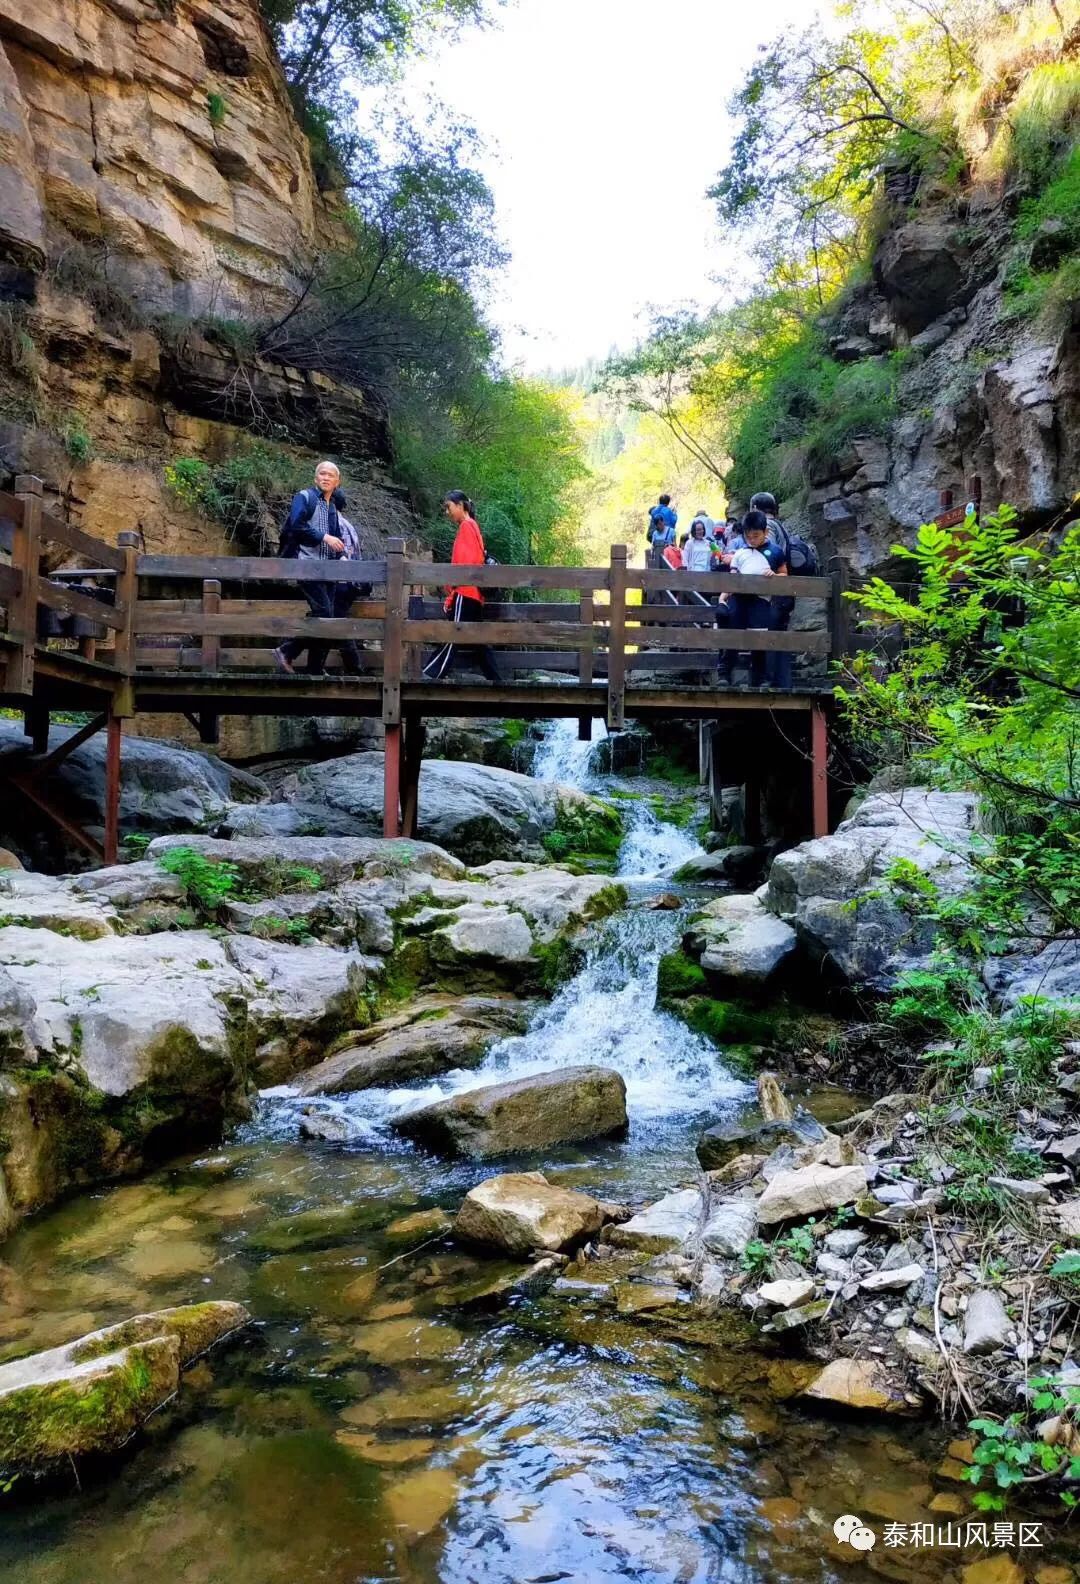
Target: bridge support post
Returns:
[[391, 825], [819, 771], [412, 760], [113, 732]]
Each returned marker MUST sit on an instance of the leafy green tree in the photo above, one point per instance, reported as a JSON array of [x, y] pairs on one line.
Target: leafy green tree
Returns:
[[985, 693], [512, 445]]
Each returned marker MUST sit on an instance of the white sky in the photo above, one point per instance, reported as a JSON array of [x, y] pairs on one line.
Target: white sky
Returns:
[[604, 122]]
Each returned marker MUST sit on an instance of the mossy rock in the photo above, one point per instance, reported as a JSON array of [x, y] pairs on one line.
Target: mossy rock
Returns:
[[318, 1229], [89, 1396], [679, 977], [586, 831]]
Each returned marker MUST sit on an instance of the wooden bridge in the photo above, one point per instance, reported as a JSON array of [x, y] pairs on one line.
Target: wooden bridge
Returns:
[[130, 633]]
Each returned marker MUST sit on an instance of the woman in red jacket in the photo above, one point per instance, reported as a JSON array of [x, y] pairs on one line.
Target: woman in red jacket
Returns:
[[464, 602]]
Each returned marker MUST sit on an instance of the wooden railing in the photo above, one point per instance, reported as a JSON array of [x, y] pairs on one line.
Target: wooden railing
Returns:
[[220, 616]]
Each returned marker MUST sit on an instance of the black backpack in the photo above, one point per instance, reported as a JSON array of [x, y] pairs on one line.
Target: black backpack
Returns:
[[495, 596], [802, 557]]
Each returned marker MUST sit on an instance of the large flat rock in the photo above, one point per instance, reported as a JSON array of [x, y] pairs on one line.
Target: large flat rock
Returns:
[[433, 1035], [523, 1115], [478, 812], [90, 1395]]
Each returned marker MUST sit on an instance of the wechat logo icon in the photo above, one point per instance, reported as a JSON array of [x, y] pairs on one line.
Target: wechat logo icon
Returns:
[[851, 1531]]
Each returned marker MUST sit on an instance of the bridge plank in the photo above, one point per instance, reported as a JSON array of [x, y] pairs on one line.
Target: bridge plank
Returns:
[[259, 569], [567, 635], [733, 583], [430, 573], [168, 623]]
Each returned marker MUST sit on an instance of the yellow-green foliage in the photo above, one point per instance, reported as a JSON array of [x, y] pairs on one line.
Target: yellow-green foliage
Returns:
[[1042, 122]]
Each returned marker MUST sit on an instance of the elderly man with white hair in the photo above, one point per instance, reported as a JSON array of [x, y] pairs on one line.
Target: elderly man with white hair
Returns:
[[317, 529]]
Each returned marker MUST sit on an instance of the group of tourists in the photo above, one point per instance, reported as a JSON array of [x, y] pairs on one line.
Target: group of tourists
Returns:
[[755, 545]]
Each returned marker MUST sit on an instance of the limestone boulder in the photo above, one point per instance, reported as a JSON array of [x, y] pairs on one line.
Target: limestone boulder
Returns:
[[730, 1226], [89, 1396], [433, 1035], [810, 1191], [526, 1114], [1052, 973], [742, 946], [753, 1134], [163, 786], [986, 1322], [832, 891], [741, 865], [862, 1384], [522, 1211], [478, 812]]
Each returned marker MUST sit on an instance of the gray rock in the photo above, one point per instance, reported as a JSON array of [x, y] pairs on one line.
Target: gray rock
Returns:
[[1052, 973], [670, 1223], [845, 1241], [812, 1190], [892, 1280], [730, 1226], [741, 944], [327, 1127], [433, 1035], [163, 786], [986, 1324], [1021, 1188], [920, 1348], [528, 1114], [748, 1134], [739, 865], [813, 887], [478, 812]]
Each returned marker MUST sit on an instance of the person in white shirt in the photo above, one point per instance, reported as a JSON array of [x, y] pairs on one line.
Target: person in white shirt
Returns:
[[758, 557]]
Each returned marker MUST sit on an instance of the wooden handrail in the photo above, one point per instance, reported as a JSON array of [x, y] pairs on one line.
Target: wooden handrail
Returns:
[[601, 630]]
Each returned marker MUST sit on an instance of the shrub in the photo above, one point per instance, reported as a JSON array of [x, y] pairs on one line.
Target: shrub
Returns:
[[77, 442], [206, 883], [217, 107]]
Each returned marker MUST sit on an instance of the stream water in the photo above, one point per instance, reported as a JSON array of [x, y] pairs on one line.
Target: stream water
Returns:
[[371, 1429]]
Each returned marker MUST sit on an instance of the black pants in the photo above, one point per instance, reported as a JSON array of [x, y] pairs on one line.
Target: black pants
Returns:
[[463, 609], [780, 662], [326, 599], [750, 612]]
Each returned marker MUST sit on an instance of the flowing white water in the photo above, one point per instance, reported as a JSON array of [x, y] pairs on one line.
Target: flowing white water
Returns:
[[561, 757], [653, 846], [606, 1015]]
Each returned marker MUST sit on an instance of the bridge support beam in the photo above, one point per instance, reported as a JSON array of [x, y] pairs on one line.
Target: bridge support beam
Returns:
[[391, 824], [819, 771], [412, 760], [113, 732]]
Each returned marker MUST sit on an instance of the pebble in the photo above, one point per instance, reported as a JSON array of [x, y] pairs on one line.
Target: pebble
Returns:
[[844, 1243]]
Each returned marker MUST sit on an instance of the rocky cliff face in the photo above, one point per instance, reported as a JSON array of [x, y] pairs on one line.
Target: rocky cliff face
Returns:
[[154, 184], [982, 393]]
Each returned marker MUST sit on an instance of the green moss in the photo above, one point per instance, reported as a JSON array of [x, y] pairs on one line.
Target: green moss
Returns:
[[728, 1023], [588, 829], [678, 977], [40, 1424]]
